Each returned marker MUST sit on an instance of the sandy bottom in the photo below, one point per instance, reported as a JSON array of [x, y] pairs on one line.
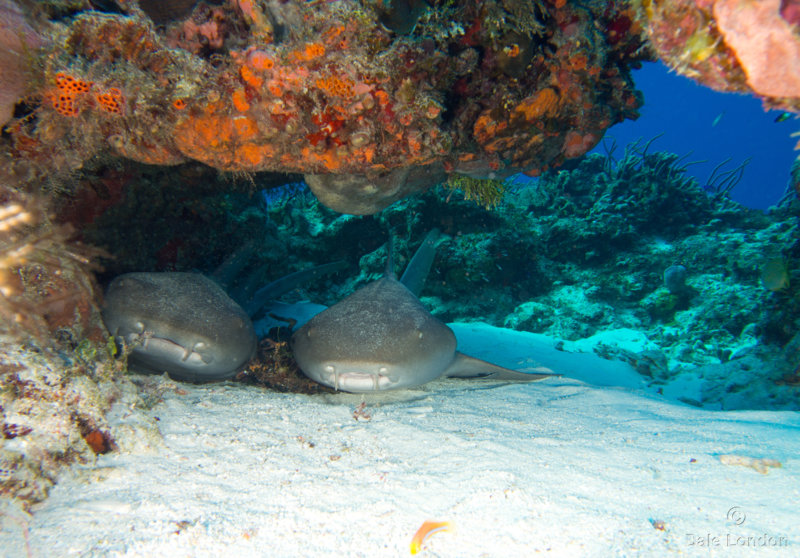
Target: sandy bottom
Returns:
[[556, 467]]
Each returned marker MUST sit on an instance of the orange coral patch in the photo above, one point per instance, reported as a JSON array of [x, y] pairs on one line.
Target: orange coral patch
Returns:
[[210, 131], [253, 155], [244, 127], [250, 78], [579, 62], [66, 82], [65, 99], [239, 99], [111, 101], [542, 104], [382, 97], [335, 86], [486, 128], [314, 50], [260, 60], [64, 103], [310, 52]]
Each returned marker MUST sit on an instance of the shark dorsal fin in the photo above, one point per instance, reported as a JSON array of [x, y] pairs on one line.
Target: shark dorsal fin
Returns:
[[417, 269], [388, 269]]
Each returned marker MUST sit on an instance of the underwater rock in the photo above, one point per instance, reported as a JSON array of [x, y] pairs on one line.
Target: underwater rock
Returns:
[[323, 89], [758, 380], [365, 195], [675, 279], [53, 414]]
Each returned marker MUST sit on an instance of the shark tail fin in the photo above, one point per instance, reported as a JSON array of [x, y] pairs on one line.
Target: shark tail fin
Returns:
[[468, 367]]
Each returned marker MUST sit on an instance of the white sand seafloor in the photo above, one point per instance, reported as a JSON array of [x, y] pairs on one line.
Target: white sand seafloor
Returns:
[[558, 467]]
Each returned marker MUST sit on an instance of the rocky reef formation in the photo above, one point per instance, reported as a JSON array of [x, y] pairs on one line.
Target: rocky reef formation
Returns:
[[367, 91], [361, 96], [58, 376]]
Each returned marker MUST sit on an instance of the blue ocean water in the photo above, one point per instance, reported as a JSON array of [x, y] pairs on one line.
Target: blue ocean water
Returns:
[[713, 126]]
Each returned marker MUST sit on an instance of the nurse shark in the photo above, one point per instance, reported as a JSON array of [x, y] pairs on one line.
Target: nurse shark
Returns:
[[382, 338]]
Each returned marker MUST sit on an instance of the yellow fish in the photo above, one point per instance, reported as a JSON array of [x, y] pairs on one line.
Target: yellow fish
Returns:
[[775, 274], [426, 530]]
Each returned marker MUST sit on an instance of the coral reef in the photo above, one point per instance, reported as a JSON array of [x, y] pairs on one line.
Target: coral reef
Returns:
[[360, 90], [53, 411], [47, 289], [58, 377]]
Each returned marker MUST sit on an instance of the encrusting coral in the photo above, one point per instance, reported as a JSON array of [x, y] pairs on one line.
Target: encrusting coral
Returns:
[[337, 88], [46, 285], [57, 379]]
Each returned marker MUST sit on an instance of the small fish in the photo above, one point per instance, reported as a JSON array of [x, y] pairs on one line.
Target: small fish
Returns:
[[782, 117], [717, 119], [775, 274], [426, 530]]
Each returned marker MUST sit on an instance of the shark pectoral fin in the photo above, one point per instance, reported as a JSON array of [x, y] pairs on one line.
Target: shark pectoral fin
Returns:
[[464, 366]]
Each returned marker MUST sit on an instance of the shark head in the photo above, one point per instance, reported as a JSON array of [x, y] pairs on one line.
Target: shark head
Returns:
[[180, 323], [378, 338]]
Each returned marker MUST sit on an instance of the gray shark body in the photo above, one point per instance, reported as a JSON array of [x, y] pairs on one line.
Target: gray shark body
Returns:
[[180, 323], [382, 338]]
